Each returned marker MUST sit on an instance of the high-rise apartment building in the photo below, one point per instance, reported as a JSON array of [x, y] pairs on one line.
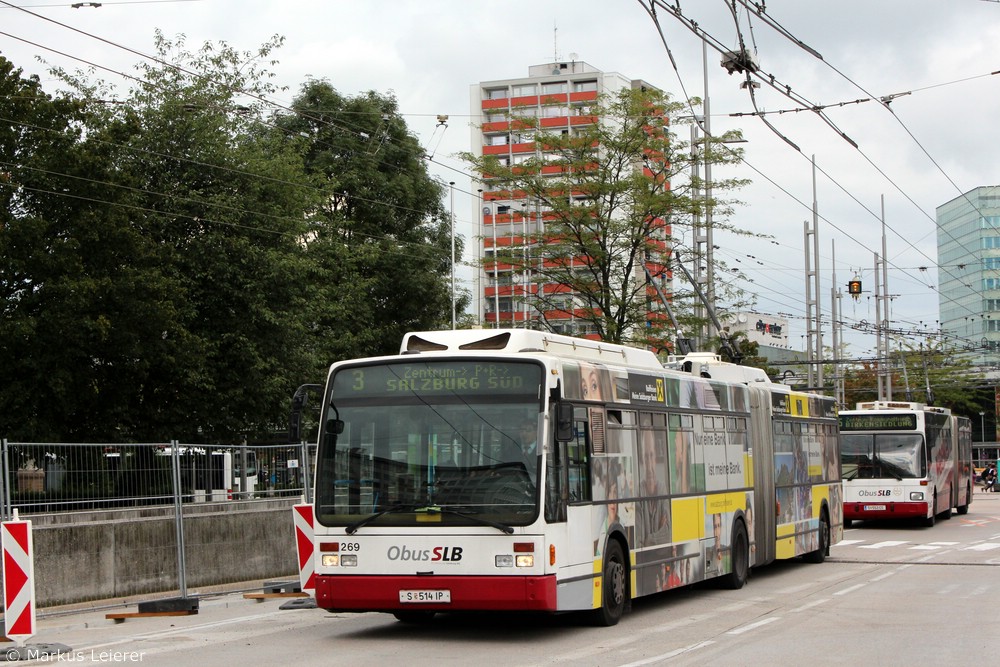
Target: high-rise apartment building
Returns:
[[968, 239], [560, 95]]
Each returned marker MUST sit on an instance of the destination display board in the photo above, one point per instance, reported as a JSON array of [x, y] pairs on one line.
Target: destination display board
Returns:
[[436, 378], [879, 421]]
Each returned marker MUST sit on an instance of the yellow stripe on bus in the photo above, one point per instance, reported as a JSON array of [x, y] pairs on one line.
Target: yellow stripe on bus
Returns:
[[723, 503], [785, 546], [688, 518], [820, 493], [598, 583]]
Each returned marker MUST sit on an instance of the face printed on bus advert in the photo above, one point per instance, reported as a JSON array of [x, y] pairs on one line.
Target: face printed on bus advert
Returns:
[[590, 386]]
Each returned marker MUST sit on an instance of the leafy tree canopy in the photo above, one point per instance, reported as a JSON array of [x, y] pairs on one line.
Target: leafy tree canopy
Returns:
[[604, 202]]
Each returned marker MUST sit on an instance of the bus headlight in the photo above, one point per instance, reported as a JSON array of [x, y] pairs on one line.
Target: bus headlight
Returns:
[[916, 495], [504, 560], [525, 560], [331, 560], [349, 560]]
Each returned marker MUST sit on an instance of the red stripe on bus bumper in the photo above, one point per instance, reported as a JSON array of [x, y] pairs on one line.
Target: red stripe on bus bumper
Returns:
[[891, 511], [381, 593]]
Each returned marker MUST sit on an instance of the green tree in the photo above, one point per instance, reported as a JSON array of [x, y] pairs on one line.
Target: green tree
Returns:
[[927, 372], [379, 241], [610, 194], [166, 262]]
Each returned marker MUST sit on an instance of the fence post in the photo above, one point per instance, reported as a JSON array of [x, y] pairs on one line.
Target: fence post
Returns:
[[306, 472], [175, 458]]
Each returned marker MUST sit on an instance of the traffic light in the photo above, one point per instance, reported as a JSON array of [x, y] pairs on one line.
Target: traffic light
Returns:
[[854, 288]]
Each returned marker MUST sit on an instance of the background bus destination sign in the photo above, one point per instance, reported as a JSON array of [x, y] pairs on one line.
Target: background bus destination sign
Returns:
[[878, 422], [465, 377]]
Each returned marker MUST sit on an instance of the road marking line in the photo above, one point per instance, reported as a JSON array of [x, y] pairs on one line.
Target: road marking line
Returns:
[[810, 605], [850, 589], [753, 626], [673, 654], [881, 545]]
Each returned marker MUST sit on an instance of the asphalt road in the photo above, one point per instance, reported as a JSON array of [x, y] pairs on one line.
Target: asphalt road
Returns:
[[890, 594]]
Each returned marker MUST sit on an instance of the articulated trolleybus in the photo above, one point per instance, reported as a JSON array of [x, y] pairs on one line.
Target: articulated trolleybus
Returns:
[[520, 470], [904, 460]]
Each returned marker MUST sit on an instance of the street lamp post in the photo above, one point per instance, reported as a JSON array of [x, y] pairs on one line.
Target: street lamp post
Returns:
[[451, 187], [982, 426]]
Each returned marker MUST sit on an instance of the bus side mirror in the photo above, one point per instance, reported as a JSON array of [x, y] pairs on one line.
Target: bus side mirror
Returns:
[[564, 422], [299, 401], [295, 420]]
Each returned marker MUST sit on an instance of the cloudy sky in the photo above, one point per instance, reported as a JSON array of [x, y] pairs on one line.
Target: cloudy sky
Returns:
[[935, 59]]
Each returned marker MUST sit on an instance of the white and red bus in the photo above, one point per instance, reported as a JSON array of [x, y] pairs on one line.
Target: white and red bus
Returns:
[[519, 470], [903, 460]]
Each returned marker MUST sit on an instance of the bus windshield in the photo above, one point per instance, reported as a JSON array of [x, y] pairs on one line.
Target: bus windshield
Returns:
[[883, 455], [448, 442]]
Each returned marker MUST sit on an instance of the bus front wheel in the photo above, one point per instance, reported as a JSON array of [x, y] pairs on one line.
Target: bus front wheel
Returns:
[[929, 521], [614, 590]]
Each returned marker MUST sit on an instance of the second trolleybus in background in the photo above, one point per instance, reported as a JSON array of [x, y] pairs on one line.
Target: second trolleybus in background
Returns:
[[903, 460], [519, 470]]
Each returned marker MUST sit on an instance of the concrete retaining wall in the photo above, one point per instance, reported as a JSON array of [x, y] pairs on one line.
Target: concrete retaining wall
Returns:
[[81, 557]]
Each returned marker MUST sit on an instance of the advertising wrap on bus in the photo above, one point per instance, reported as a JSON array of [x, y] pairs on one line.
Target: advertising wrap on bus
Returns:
[[520, 470], [905, 461]]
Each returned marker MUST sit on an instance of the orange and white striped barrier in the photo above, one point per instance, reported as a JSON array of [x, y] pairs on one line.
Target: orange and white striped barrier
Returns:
[[302, 517], [18, 580]]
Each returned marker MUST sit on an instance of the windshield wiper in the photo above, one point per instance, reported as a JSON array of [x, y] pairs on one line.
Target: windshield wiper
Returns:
[[352, 528], [465, 515], [891, 471]]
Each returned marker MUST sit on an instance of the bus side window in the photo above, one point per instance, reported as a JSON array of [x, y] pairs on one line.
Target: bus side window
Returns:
[[577, 460]]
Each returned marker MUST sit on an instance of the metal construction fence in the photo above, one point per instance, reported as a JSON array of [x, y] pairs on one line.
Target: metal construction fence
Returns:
[[63, 477], [114, 520]]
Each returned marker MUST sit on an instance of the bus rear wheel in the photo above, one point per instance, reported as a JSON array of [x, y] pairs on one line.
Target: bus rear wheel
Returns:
[[820, 554], [614, 589], [964, 509], [739, 558]]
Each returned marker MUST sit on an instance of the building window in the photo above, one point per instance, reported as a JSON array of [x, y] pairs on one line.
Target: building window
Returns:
[[497, 140], [496, 93], [554, 88], [553, 111], [524, 91], [584, 86]]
